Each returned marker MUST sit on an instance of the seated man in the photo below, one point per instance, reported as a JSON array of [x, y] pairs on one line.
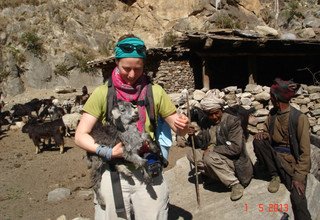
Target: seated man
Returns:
[[223, 155], [284, 147]]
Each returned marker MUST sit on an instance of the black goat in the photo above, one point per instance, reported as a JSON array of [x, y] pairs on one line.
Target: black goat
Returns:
[[45, 131], [82, 99], [20, 110]]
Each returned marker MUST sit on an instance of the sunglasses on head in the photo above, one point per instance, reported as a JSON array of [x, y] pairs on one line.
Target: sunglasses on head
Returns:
[[129, 48]]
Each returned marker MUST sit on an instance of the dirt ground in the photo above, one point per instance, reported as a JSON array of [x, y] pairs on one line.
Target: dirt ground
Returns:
[[26, 179]]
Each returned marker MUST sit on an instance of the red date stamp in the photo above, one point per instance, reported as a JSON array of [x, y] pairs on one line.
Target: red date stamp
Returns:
[[270, 207]]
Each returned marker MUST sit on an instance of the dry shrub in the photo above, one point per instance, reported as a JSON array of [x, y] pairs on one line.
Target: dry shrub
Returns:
[[17, 3]]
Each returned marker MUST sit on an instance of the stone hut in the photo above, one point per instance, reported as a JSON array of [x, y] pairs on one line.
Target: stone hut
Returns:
[[237, 58], [229, 58]]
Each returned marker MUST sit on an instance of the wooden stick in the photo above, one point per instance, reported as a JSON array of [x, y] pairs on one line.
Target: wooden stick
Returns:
[[194, 154]]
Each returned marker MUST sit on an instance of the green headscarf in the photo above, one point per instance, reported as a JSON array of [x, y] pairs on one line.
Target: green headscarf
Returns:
[[131, 47]]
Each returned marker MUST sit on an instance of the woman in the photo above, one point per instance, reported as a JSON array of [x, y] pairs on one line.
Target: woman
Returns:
[[130, 82]]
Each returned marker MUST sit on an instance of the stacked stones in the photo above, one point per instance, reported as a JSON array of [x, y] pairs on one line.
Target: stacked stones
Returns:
[[307, 101], [174, 76]]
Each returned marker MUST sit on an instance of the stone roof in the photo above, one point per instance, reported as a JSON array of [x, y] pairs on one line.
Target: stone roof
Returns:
[[238, 42]]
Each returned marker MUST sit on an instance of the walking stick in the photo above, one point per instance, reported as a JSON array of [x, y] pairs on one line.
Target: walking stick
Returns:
[[193, 150]]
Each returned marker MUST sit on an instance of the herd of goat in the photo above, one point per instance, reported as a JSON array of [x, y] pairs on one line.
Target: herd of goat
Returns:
[[46, 119]]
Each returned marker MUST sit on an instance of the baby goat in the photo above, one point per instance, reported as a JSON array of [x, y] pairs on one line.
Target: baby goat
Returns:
[[123, 129]]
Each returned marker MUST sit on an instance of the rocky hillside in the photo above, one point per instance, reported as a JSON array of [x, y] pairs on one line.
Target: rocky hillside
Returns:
[[45, 43]]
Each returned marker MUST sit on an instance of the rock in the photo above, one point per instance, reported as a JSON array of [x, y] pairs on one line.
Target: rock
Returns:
[[316, 105], [254, 89], [230, 89], [13, 86], [85, 193], [300, 101], [261, 112], [288, 36], [62, 217], [261, 119], [251, 5], [307, 33], [198, 95], [311, 22], [315, 158], [304, 109], [315, 112], [263, 96], [316, 128], [58, 194], [39, 73], [214, 197], [314, 96], [246, 101], [313, 89], [64, 89], [267, 31], [257, 105], [312, 121], [81, 218], [246, 95]]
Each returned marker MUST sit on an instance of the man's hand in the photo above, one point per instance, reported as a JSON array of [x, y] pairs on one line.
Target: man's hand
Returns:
[[262, 136], [191, 131], [299, 186]]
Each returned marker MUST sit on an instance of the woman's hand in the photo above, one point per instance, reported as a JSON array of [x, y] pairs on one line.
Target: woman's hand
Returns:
[[117, 150], [181, 122]]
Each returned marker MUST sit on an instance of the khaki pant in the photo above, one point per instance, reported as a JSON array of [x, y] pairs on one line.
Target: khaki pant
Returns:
[[145, 201], [215, 165]]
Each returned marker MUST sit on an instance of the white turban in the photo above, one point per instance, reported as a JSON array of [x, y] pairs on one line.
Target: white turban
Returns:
[[211, 102]]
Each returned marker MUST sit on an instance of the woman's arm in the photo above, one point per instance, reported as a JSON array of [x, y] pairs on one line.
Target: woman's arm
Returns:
[[84, 140]]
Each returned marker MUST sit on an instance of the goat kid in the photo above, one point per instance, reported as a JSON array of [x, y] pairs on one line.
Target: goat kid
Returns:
[[124, 129]]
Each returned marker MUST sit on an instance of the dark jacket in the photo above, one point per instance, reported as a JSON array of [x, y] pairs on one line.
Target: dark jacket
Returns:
[[230, 142], [299, 140]]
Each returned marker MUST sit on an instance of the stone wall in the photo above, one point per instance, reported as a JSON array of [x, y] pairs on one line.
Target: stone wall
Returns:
[[257, 96], [174, 76]]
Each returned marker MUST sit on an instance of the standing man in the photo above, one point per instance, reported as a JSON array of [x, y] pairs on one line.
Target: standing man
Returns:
[[284, 147], [223, 155]]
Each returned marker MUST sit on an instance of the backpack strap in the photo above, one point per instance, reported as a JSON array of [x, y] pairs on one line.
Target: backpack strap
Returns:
[[111, 99], [149, 102], [115, 179]]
